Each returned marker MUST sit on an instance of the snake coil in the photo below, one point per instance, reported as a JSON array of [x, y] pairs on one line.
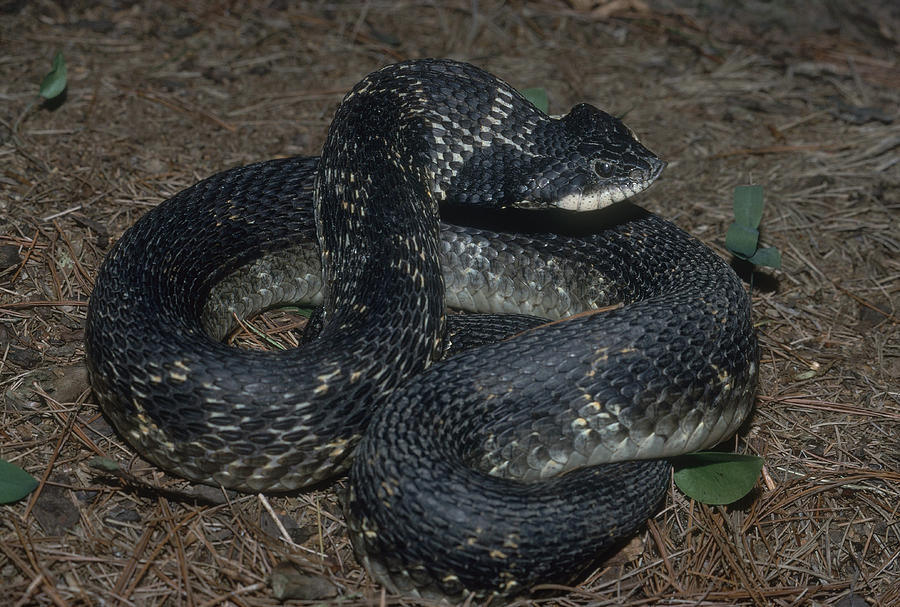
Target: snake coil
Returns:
[[483, 474]]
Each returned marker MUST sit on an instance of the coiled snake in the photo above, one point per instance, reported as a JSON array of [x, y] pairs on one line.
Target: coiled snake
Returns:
[[475, 474]]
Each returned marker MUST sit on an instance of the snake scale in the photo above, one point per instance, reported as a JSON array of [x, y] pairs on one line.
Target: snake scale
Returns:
[[480, 474]]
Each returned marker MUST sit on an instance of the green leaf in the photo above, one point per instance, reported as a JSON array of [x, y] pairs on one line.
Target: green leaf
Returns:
[[769, 256], [54, 82], [15, 483], [304, 311], [742, 240], [748, 205], [537, 97], [743, 237], [105, 464], [716, 478]]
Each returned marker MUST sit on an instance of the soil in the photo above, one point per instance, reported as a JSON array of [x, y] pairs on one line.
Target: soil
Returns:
[[803, 101]]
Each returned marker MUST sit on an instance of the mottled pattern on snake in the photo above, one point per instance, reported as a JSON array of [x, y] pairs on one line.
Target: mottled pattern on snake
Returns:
[[674, 369]]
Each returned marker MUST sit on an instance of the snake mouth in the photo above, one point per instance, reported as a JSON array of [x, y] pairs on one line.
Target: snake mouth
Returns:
[[593, 192], [597, 199], [610, 191], [590, 199]]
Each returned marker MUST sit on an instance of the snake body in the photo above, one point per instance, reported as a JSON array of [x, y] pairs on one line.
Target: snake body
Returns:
[[478, 474]]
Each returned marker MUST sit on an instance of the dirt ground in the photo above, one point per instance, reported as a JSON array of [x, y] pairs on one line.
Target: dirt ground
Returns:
[[802, 101]]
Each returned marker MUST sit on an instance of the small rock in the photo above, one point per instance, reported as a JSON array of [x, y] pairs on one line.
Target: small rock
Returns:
[[9, 256], [99, 26], [54, 511], [852, 600], [70, 383], [288, 582], [297, 533], [124, 515]]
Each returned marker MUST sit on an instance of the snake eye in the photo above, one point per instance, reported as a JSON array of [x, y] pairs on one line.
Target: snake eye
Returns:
[[603, 169]]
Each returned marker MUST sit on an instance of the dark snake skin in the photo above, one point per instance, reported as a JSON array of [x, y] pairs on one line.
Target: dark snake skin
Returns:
[[479, 474]]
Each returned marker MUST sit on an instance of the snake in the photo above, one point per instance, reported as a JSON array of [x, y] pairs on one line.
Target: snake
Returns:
[[490, 451]]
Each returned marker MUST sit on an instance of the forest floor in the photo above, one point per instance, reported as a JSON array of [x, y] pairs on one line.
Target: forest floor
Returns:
[[161, 94]]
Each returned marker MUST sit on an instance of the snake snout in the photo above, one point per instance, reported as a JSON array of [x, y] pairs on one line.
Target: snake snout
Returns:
[[654, 170], [647, 174]]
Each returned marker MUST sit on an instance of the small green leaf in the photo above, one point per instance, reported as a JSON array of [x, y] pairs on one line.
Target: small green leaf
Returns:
[[54, 82], [15, 483], [716, 478], [743, 237], [748, 205], [768, 256], [537, 97], [304, 311], [105, 464], [742, 240]]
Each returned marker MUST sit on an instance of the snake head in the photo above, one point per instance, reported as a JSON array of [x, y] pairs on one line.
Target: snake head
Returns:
[[594, 161]]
